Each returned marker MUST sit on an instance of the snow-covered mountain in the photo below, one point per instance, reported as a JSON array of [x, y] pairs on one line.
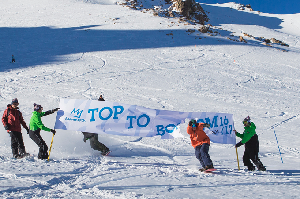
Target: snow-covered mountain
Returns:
[[242, 62]]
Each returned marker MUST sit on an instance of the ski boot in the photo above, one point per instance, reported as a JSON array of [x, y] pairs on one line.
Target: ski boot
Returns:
[[260, 166]]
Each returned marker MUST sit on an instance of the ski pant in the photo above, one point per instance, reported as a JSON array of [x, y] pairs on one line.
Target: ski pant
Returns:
[[17, 144], [94, 143], [202, 155], [251, 153], [43, 148]]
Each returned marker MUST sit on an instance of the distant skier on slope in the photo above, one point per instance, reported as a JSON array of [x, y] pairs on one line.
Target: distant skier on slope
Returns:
[[12, 119], [35, 127], [200, 141], [93, 137], [250, 139], [101, 98]]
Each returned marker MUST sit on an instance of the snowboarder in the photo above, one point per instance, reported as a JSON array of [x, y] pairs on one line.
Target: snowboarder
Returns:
[[93, 137], [35, 127], [200, 141], [13, 59], [12, 120], [250, 139]]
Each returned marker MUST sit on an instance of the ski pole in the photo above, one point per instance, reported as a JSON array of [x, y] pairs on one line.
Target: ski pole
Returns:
[[50, 147], [237, 157], [278, 147]]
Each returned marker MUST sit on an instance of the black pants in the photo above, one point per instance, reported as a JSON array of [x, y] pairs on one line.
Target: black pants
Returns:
[[17, 144], [95, 144], [36, 137], [251, 153]]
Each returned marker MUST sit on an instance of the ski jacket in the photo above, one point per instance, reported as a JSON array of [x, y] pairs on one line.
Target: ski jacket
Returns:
[[36, 122], [249, 131], [198, 137], [13, 119]]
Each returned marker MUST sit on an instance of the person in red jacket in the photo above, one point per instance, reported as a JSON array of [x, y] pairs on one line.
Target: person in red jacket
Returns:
[[200, 141], [12, 119]]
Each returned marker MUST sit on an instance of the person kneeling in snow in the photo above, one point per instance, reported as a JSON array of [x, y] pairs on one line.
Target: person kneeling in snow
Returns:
[[35, 127], [200, 141], [250, 139]]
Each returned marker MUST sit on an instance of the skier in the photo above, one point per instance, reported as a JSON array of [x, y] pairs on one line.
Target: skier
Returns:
[[13, 59], [35, 128], [250, 139], [93, 137], [12, 120], [200, 141]]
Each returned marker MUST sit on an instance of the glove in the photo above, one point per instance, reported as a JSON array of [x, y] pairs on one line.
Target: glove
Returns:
[[235, 132], [53, 131], [206, 125], [238, 144], [6, 127], [53, 110]]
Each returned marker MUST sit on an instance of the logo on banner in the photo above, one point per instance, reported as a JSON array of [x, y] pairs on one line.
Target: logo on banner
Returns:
[[76, 114]]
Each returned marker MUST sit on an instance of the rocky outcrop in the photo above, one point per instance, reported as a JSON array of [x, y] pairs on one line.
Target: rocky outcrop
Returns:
[[190, 10]]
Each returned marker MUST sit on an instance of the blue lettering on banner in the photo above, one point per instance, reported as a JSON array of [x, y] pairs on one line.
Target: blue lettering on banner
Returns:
[[93, 114], [140, 117], [130, 123], [226, 129], [75, 120], [116, 111], [77, 113], [110, 113], [138, 121], [161, 130]]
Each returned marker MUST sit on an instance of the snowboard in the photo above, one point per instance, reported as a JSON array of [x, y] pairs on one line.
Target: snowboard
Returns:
[[106, 154], [210, 170]]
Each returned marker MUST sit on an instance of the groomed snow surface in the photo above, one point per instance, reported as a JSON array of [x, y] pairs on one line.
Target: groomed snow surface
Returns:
[[79, 49]]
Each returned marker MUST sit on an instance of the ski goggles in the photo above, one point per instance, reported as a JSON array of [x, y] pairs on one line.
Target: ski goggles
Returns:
[[245, 122], [194, 125]]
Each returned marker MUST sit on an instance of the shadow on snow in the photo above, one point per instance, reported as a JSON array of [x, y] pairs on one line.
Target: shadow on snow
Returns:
[[232, 16], [41, 45]]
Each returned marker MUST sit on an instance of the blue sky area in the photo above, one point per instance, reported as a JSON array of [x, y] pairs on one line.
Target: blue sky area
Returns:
[[266, 6]]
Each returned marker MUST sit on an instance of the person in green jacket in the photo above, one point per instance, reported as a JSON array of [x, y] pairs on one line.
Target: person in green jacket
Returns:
[[250, 139], [35, 127]]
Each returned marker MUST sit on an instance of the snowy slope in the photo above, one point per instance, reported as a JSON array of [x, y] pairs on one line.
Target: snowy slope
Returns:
[[79, 49]]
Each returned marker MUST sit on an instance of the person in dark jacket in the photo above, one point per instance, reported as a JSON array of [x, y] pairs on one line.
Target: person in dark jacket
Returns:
[[12, 119], [35, 127], [250, 139], [101, 98], [93, 137]]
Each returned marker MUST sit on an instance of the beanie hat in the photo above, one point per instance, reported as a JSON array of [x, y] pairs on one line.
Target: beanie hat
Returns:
[[14, 101], [192, 123], [37, 107], [247, 119]]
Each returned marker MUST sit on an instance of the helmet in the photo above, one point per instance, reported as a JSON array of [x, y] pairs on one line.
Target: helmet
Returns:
[[247, 120]]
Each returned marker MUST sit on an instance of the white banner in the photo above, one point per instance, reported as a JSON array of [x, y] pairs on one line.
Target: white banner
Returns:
[[131, 120]]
